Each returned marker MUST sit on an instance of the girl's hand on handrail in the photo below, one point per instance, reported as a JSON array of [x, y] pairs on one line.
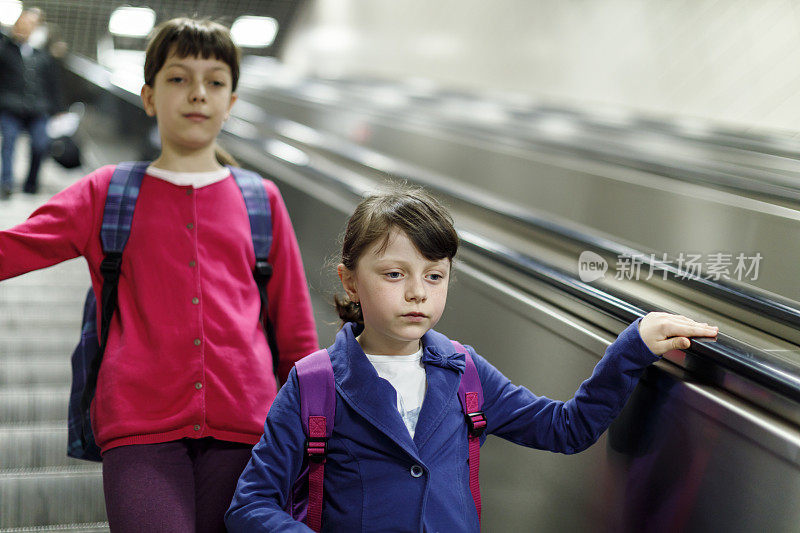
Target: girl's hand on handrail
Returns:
[[662, 332]]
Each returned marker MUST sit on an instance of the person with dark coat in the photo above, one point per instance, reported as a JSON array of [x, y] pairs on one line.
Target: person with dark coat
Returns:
[[29, 95]]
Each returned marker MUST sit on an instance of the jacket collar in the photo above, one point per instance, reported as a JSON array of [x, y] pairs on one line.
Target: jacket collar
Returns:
[[442, 389], [376, 400]]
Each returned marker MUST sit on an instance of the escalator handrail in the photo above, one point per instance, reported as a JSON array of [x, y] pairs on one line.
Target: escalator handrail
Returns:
[[771, 307]]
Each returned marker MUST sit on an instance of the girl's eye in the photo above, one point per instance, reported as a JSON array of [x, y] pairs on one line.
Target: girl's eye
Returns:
[[175, 79], [393, 275], [435, 277], [217, 83]]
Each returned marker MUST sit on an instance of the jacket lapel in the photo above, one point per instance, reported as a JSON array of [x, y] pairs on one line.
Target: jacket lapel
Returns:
[[365, 392], [442, 390]]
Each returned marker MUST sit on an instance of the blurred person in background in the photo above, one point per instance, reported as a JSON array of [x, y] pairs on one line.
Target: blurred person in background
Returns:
[[29, 95]]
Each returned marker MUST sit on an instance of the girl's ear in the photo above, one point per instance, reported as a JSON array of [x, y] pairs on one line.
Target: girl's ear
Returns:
[[234, 97], [147, 100], [348, 278]]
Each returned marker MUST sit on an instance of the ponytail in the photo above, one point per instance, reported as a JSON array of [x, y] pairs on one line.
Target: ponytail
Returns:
[[223, 157], [348, 311]]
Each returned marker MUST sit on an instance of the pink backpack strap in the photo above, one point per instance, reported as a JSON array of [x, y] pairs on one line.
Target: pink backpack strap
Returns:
[[317, 409], [470, 394]]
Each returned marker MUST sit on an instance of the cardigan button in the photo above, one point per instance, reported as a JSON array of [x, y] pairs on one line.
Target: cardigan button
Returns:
[[197, 427], [198, 385], [197, 342], [195, 301], [416, 471], [189, 225], [192, 264]]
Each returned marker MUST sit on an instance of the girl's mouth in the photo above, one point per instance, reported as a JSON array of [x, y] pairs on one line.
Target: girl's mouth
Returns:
[[196, 117]]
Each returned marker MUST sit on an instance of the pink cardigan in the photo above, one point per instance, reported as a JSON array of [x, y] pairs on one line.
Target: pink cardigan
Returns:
[[186, 354]]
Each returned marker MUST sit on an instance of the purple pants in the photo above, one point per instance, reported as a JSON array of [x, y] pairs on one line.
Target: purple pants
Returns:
[[177, 487]]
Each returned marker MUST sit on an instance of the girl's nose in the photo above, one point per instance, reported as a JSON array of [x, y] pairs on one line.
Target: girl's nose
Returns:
[[415, 291], [198, 93]]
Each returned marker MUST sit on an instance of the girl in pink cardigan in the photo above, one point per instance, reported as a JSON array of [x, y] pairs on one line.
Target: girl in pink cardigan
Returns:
[[186, 379]]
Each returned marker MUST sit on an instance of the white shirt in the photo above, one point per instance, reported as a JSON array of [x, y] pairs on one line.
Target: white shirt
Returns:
[[195, 179], [406, 373]]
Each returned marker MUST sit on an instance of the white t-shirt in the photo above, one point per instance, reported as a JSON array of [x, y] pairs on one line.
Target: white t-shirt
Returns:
[[195, 179], [406, 373]]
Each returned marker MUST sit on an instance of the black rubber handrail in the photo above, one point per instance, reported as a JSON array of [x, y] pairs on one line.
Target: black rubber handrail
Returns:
[[757, 365], [772, 308]]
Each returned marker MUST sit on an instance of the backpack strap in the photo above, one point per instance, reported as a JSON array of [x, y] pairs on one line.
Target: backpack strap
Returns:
[[123, 191], [260, 215], [317, 410], [470, 394]]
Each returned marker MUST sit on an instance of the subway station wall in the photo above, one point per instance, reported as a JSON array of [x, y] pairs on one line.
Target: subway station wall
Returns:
[[737, 63]]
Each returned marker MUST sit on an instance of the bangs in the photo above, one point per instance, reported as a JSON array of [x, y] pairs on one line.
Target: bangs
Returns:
[[433, 245], [412, 211], [433, 236], [187, 37], [198, 41]]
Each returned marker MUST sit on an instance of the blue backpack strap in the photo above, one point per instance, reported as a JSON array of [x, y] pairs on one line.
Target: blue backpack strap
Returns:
[[123, 191], [260, 216], [317, 412], [470, 394], [258, 211]]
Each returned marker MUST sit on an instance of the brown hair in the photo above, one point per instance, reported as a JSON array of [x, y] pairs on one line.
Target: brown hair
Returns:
[[411, 210], [190, 37]]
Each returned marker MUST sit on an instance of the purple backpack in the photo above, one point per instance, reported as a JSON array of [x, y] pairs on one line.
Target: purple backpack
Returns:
[[317, 410]]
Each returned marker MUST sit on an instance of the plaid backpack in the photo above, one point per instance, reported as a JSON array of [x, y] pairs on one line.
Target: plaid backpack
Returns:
[[115, 230], [317, 411]]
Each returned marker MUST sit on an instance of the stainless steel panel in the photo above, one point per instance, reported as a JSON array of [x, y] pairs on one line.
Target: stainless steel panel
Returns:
[[680, 457]]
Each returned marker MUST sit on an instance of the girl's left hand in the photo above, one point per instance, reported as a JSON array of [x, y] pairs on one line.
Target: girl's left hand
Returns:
[[662, 332]]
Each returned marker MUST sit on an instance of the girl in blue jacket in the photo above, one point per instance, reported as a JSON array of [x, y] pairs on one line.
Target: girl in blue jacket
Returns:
[[394, 461]]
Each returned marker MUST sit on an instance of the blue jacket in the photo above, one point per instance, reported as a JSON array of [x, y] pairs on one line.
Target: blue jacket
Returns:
[[368, 481]]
